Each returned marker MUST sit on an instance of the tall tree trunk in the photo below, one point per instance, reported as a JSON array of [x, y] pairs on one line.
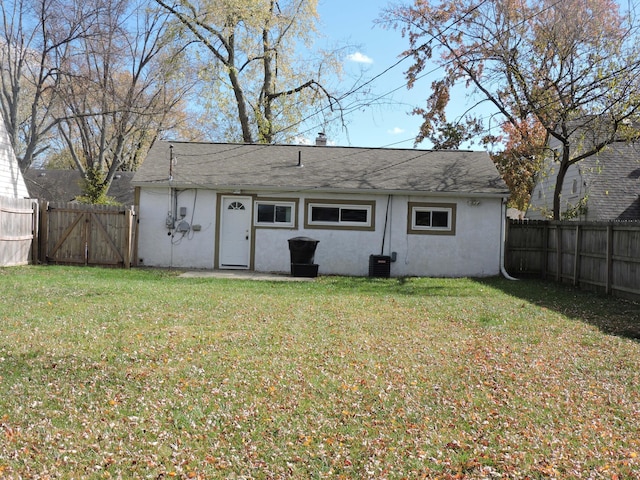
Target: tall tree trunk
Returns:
[[243, 113], [265, 127], [562, 172]]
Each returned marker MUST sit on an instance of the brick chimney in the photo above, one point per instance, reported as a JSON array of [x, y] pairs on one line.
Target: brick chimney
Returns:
[[321, 140]]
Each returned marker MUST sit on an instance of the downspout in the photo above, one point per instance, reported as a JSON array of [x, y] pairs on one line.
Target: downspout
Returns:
[[503, 240], [386, 220]]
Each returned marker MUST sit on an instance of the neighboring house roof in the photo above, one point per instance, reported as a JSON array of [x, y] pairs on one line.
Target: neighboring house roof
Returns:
[[613, 182], [259, 167], [66, 185], [608, 183]]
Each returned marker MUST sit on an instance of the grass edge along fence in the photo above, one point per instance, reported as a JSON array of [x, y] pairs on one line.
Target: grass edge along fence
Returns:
[[600, 256]]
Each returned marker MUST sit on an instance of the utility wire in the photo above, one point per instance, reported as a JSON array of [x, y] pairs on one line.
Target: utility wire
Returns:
[[425, 74], [384, 72]]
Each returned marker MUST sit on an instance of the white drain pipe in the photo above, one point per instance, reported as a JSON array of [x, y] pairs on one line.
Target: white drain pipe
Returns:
[[503, 241]]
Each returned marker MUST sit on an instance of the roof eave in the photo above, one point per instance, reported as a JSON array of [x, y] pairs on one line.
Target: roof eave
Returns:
[[289, 189]]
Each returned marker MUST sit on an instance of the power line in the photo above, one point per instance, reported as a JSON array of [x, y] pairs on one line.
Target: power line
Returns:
[[425, 74], [385, 71]]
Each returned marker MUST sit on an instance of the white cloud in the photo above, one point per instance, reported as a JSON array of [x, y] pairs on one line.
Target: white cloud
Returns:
[[395, 131], [311, 141], [303, 141], [359, 58]]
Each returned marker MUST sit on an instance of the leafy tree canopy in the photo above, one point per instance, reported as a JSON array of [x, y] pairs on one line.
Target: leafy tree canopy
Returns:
[[260, 76], [569, 66]]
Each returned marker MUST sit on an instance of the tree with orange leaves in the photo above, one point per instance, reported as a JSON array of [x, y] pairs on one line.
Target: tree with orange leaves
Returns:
[[521, 158], [571, 66]]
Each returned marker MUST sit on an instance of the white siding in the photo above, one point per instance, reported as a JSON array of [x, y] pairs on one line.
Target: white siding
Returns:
[[159, 246], [11, 181], [474, 250]]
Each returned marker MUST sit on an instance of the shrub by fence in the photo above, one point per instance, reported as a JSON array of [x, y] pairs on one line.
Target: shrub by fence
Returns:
[[601, 256], [18, 228]]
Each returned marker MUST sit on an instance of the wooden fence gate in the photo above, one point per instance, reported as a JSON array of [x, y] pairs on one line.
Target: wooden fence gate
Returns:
[[78, 234]]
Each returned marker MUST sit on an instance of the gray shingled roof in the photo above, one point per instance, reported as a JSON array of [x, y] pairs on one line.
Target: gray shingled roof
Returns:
[[613, 180], [326, 169], [66, 185]]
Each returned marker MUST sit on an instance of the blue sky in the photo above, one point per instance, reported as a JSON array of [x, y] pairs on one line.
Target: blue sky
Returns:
[[387, 122], [375, 50]]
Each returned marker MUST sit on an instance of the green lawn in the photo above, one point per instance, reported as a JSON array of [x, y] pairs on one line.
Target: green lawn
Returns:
[[141, 374]]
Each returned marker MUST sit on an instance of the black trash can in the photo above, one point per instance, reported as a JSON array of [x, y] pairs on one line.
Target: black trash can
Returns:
[[303, 251]]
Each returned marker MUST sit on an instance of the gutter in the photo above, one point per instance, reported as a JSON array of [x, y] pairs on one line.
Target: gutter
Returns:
[[311, 189]]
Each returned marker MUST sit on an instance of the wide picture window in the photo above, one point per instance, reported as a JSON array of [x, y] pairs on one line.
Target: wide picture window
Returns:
[[432, 218], [338, 215]]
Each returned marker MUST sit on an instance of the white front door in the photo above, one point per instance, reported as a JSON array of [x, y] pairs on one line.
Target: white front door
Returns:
[[235, 232]]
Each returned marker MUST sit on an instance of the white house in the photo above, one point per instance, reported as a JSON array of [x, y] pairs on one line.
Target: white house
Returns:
[[235, 206], [11, 181]]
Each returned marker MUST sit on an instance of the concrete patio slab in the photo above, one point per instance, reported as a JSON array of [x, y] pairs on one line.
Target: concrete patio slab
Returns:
[[244, 275]]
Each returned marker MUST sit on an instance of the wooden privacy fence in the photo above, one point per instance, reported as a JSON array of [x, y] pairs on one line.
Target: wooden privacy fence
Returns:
[[18, 229], [78, 234], [600, 256]]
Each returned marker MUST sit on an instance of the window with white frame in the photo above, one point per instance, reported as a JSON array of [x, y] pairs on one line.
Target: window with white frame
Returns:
[[332, 214], [432, 218], [274, 213]]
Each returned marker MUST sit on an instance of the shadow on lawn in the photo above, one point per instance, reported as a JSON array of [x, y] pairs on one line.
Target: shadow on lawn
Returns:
[[611, 315], [407, 286]]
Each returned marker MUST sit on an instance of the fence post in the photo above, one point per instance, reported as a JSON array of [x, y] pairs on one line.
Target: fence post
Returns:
[[576, 257], [127, 253], [558, 252], [86, 229], [35, 228], [545, 249], [609, 287], [135, 233], [44, 232]]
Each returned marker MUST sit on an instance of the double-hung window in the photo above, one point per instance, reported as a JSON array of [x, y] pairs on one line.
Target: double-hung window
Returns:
[[274, 213], [340, 215], [432, 218]]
